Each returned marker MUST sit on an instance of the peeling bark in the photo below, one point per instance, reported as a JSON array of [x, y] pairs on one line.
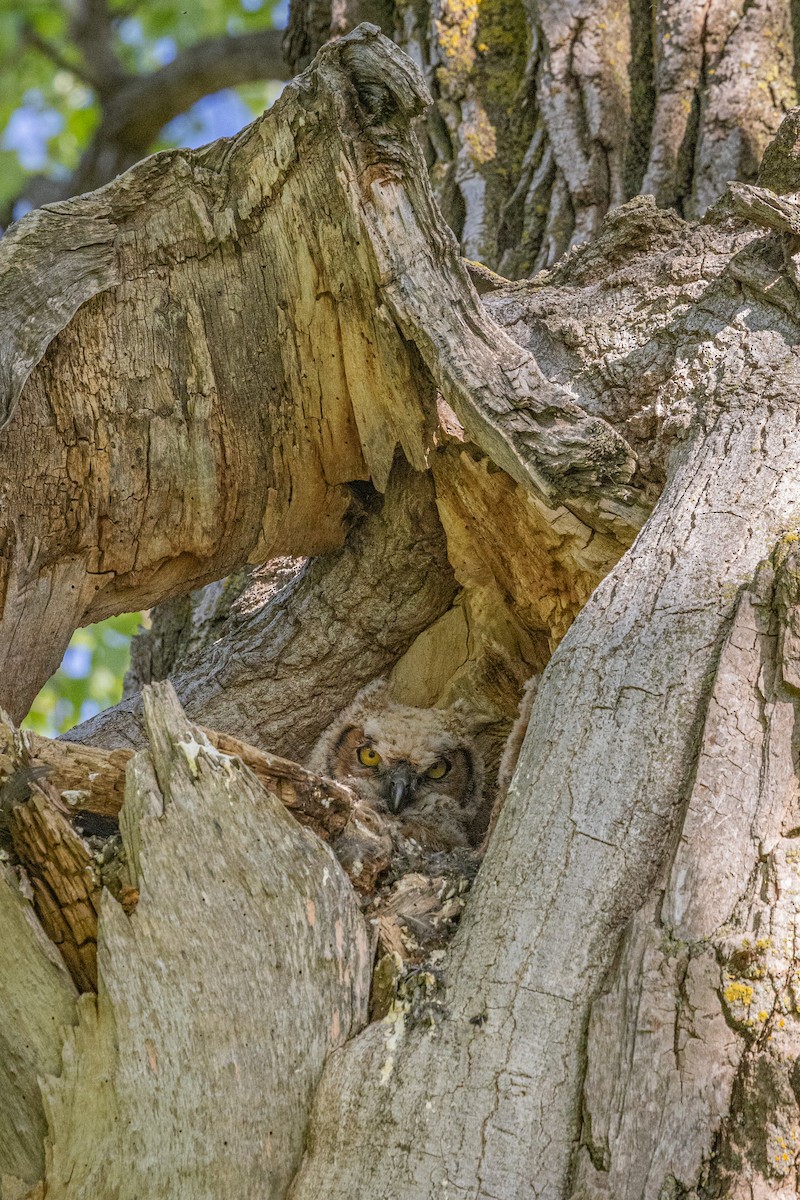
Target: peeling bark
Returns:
[[153, 444]]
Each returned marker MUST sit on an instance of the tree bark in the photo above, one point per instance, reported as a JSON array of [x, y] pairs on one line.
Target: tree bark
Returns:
[[157, 483], [263, 918], [549, 114], [593, 475], [37, 999], [278, 678], [575, 854]]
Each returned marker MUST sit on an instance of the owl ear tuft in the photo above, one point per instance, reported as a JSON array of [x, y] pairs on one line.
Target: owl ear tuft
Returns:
[[472, 718]]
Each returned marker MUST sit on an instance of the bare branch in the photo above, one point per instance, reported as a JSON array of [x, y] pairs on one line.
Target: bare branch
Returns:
[[280, 676], [143, 105], [51, 52], [91, 29], [93, 780]]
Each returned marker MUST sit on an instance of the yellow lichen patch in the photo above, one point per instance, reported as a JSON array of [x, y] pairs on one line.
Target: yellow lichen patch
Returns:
[[784, 545], [748, 961], [738, 993], [781, 1145], [503, 42], [480, 136], [455, 35]]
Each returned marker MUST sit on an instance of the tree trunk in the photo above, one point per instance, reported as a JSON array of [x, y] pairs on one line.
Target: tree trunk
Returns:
[[548, 114], [594, 476]]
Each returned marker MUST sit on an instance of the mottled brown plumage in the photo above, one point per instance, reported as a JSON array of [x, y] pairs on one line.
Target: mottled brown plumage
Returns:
[[419, 768]]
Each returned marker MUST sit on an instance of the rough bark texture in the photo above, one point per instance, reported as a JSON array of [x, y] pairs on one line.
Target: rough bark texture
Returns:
[[277, 676], [637, 903], [181, 628], [165, 460], [575, 853], [270, 934], [710, 968], [548, 114]]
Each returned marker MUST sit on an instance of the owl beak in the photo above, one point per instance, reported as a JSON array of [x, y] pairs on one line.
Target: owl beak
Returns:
[[399, 789]]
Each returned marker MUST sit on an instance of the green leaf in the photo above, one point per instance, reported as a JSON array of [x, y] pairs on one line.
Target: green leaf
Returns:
[[66, 698]]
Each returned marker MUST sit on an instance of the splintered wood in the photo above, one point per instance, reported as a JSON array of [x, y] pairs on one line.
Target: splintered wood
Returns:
[[49, 790], [246, 958], [64, 879], [45, 784], [92, 780]]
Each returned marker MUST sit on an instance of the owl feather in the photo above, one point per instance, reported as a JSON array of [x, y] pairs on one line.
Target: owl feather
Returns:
[[419, 768]]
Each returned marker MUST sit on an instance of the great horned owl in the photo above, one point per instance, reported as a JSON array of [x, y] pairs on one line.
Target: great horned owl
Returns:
[[419, 768]]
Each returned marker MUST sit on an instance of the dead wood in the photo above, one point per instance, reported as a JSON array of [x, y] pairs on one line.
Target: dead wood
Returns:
[[254, 432], [48, 787], [235, 969]]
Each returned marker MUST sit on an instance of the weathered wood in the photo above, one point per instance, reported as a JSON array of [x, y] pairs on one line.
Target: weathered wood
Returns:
[[59, 871], [710, 968], [37, 1001], [239, 972], [331, 361], [43, 782], [412, 912], [65, 882], [92, 780], [36, 304], [85, 777], [594, 806], [280, 675], [683, 339], [597, 804]]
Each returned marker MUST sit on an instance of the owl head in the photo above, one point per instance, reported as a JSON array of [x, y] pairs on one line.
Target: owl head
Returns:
[[397, 757]]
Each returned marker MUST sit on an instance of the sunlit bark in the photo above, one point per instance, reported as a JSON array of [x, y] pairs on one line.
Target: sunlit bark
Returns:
[[593, 475]]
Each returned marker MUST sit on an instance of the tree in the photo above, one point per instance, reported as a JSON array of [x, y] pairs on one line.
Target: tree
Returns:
[[103, 81], [273, 347]]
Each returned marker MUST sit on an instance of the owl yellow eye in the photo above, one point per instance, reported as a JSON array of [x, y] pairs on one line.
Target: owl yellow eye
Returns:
[[368, 757], [438, 770]]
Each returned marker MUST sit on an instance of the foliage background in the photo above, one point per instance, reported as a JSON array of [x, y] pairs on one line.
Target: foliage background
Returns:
[[89, 678], [49, 110]]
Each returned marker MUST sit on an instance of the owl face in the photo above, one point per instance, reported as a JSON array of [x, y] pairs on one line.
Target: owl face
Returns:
[[408, 762], [399, 769]]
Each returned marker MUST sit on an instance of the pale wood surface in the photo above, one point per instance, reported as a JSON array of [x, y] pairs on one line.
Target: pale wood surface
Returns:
[[224, 990], [252, 447], [37, 1002]]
